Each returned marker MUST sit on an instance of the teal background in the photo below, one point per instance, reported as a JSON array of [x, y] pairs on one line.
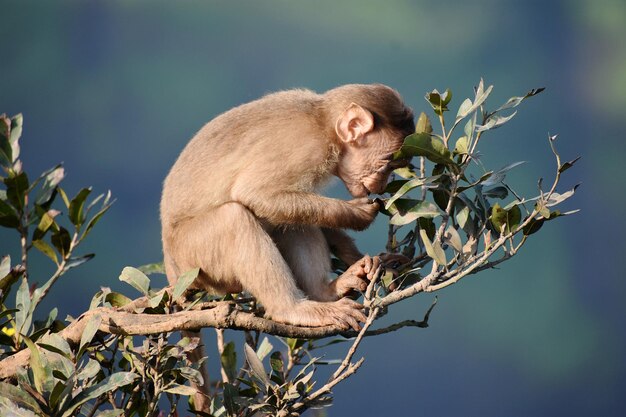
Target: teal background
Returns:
[[115, 89]]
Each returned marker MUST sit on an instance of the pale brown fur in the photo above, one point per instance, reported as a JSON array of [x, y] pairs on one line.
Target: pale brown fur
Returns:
[[240, 202]]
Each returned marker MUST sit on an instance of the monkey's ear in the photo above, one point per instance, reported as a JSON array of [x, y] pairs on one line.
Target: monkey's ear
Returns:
[[354, 123]]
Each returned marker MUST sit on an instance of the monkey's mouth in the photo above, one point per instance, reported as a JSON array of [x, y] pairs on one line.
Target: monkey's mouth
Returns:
[[358, 189]]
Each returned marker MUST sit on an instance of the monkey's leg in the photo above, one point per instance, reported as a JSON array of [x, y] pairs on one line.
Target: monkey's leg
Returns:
[[233, 251], [307, 253]]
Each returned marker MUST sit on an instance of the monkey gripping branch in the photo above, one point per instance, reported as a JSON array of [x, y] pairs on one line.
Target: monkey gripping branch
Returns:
[[450, 217]]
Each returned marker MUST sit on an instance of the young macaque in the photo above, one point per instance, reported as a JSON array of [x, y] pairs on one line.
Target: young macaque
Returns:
[[240, 202]]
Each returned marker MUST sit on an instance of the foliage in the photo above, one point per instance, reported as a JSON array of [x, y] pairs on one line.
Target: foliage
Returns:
[[448, 216]]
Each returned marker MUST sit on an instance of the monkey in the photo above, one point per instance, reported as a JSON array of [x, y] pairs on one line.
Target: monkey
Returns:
[[240, 203]]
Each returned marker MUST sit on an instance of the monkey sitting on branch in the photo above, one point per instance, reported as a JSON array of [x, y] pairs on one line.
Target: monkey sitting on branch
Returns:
[[240, 202]]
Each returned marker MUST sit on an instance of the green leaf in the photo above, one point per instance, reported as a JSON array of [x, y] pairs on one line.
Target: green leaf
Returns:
[[393, 186], [423, 124], [62, 241], [23, 317], [408, 186], [467, 107], [568, 165], [438, 101], [117, 299], [264, 348], [229, 361], [50, 181], [66, 200], [77, 261], [40, 376], [404, 172], [494, 121], [496, 192], [453, 239], [256, 366], [55, 343], [106, 205], [7, 282], [17, 186], [18, 397], [515, 101], [499, 176], [156, 300], [76, 215], [184, 281], [110, 383], [16, 132], [509, 219], [46, 249], [434, 250], [154, 268], [462, 146], [6, 152], [8, 215], [46, 221], [428, 146], [556, 198], [90, 370], [230, 393], [180, 390], [294, 343], [533, 226], [421, 209], [111, 413], [191, 374], [277, 364], [136, 279], [5, 266], [464, 109], [91, 328]]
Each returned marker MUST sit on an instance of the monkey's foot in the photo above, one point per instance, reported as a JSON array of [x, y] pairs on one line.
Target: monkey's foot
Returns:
[[357, 277], [344, 314]]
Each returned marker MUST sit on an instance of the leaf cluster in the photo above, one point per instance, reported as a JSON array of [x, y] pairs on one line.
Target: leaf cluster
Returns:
[[447, 207]]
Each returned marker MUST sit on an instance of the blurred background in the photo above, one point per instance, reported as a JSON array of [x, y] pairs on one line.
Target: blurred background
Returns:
[[115, 89]]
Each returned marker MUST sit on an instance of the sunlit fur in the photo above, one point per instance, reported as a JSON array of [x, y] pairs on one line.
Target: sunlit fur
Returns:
[[240, 201]]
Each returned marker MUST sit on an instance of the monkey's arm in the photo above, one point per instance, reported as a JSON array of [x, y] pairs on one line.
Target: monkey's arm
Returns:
[[308, 208], [342, 246]]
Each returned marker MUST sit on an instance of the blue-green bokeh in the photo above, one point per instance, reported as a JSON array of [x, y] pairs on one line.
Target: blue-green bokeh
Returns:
[[115, 89]]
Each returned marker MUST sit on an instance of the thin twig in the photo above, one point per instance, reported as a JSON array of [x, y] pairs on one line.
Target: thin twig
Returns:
[[355, 344], [220, 349]]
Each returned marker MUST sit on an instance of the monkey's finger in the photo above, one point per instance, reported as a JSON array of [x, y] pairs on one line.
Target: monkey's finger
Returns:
[[366, 262], [374, 268], [351, 322], [354, 309]]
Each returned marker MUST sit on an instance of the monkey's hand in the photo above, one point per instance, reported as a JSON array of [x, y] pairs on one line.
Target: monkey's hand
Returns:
[[343, 314], [363, 212], [356, 278]]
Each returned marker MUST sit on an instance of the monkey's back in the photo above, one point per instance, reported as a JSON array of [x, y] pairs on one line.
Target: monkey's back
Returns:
[[274, 141]]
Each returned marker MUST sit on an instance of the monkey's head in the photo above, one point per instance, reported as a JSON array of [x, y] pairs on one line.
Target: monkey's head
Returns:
[[371, 125]]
